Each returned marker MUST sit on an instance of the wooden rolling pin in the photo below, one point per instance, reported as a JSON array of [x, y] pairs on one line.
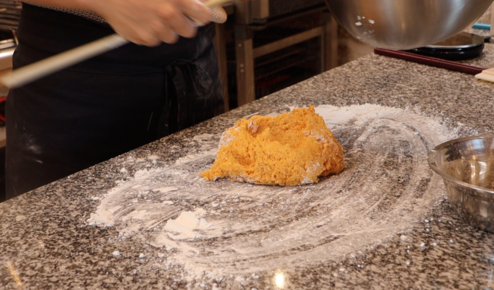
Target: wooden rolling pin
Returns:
[[32, 72]]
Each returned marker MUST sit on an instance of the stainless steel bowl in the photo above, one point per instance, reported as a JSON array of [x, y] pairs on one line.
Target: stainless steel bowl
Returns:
[[405, 24], [467, 167]]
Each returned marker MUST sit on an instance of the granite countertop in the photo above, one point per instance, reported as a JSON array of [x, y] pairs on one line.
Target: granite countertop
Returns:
[[147, 220]]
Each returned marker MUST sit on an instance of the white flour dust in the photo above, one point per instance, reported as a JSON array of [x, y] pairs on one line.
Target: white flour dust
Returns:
[[186, 225], [226, 227]]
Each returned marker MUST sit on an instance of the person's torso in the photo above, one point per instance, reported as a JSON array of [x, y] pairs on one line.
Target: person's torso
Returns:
[[49, 32]]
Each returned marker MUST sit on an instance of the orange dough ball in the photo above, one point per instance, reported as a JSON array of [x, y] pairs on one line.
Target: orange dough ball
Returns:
[[290, 149]]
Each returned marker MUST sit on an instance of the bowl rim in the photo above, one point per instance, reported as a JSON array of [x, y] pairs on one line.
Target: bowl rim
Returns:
[[435, 168]]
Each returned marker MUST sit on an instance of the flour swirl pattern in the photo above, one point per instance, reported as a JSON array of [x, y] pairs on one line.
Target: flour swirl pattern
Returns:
[[385, 187]]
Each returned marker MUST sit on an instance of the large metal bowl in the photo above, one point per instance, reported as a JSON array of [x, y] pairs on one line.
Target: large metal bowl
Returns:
[[405, 24], [467, 167]]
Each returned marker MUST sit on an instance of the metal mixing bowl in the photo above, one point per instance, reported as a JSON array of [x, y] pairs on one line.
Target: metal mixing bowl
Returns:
[[405, 24], [467, 167]]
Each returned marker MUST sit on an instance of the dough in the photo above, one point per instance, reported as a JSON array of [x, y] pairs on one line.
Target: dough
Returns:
[[290, 149]]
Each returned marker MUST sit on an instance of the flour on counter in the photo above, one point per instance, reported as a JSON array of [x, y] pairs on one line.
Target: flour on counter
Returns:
[[185, 226], [222, 228]]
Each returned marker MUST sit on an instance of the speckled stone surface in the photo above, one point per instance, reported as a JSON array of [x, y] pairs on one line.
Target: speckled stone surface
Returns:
[[46, 242]]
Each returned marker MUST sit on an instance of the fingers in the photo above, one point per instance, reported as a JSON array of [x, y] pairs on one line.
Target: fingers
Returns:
[[218, 15], [173, 19], [161, 32], [137, 36], [194, 9], [150, 22]]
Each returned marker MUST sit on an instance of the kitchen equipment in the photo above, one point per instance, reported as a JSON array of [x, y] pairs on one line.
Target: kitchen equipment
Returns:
[[259, 11], [432, 61], [60, 61], [467, 168], [405, 24], [277, 43], [459, 47], [483, 26], [10, 14], [481, 73], [7, 48]]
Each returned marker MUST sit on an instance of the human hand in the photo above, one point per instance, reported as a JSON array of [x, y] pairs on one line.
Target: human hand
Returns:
[[150, 22]]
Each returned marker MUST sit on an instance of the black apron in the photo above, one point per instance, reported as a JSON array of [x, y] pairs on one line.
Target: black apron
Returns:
[[102, 107]]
